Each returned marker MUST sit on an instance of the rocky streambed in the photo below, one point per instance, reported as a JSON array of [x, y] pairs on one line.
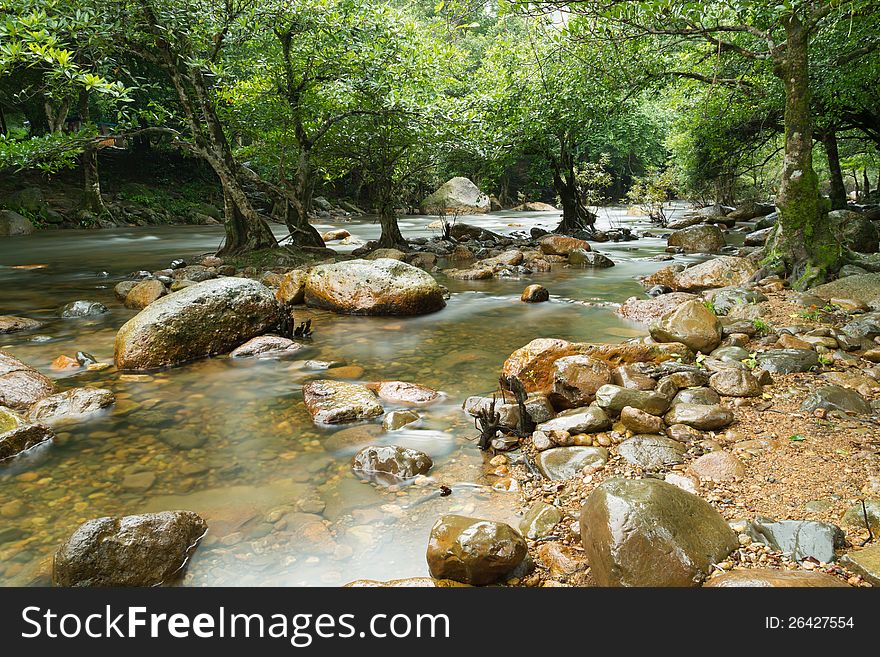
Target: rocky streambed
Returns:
[[344, 442]]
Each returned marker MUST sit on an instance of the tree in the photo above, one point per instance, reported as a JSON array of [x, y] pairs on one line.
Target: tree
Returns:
[[804, 243]]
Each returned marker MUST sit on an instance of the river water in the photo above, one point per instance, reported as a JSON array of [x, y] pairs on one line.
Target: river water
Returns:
[[232, 440]]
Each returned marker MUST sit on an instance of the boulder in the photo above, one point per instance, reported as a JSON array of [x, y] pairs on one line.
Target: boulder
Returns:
[[758, 237], [561, 245], [705, 417], [640, 422], [576, 380], [647, 532], [589, 419], [82, 308], [727, 298], [697, 395], [769, 578], [473, 551], [652, 452], [786, 361], [71, 403], [144, 293], [799, 539], [539, 520], [836, 398], [12, 324], [566, 462], [648, 311], [402, 392], [21, 438], [864, 562], [373, 287], [535, 294], [735, 383], [594, 259], [13, 224], [201, 320], [266, 346], [698, 239], [751, 210], [613, 399], [691, 324], [335, 234], [336, 402], [144, 550], [396, 420], [457, 195], [292, 288], [390, 464], [722, 271], [855, 230], [390, 254], [717, 466], [21, 386], [860, 287]]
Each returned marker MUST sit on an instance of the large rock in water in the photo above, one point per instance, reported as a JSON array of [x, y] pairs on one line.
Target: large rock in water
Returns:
[[21, 386], [390, 464], [76, 402], [457, 195], [373, 287], [336, 402], [698, 239], [201, 320], [722, 271], [473, 551], [144, 550], [648, 311], [692, 324], [647, 532], [12, 223], [21, 437]]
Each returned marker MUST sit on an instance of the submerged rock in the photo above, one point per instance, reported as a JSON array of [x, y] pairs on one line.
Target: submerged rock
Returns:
[[403, 392], [373, 287], [335, 402], [21, 438], [201, 320], [473, 551], [76, 309], [142, 550], [647, 532], [390, 464], [71, 403], [399, 419], [12, 324], [21, 386], [266, 346]]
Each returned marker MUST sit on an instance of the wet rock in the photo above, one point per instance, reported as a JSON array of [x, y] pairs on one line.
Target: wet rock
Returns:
[[194, 273], [561, 245], [144, 550], [612, 399], [836, 398], [71, 403], [686, 482], [77, 309], [539, 520], [726, 299], [861, 287], [735, 383], [21, 438], [786, 361], [698, 239], [535, 294], [399, 419], [648, 311], [648, 532], [770, 578], [696, 396], [691, 324], [392, 254], [717, 466], [705, 417], [390, 464], [12, 324], [9, 419], [576, 380], [567, 462], [798, 538], [292, 288], [473, 551], [652, 452], [201, 320], [867, 326], [336, 402], [351, 439], [401, 392], [457, 195], [373, 287], [584, 258], [864, 562], [640, 422], [266, 346], [144, 293], [335, 234], [589, 419], [21, 386], [758, 237], [723, 271]]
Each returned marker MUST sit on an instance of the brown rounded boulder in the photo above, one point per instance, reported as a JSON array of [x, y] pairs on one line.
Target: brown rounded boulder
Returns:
[[473, 551]]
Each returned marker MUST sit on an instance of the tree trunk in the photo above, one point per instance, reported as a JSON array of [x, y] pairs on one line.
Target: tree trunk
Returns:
[[245, 229], [92, 200], [3, 128], [296, 214], [391, 237], [575, 216], [866, 184], [804, 241], [838, 188]]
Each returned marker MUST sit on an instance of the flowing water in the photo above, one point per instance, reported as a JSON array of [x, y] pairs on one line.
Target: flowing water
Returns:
[[232, 440]]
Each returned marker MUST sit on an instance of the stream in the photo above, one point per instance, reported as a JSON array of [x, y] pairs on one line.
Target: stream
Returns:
[[232, 440]]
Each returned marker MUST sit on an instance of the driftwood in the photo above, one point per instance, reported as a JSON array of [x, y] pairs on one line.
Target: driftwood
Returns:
[[487, 422], [525, 426], [287, 327]]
